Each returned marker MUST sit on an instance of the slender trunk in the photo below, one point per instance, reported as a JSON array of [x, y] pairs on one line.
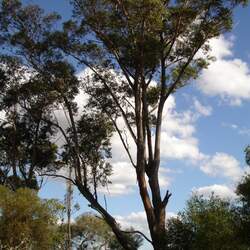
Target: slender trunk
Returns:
[[15, 153], [68, 207]]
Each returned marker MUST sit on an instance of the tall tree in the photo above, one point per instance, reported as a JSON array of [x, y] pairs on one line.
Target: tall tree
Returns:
[[140, 52]]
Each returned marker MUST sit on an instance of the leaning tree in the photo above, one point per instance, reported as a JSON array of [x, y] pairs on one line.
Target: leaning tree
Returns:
[[138, 53]]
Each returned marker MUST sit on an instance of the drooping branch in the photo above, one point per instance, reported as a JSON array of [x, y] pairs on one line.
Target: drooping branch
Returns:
[[123, 141], [59, 176], [138, 232]]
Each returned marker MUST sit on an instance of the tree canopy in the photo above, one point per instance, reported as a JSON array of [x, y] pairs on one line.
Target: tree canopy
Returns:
[[207, 223], [26, 221]]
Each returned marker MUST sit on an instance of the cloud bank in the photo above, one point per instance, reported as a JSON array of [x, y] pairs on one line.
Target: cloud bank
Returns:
[[227, 77]]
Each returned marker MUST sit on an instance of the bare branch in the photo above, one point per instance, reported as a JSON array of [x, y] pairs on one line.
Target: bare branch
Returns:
[[129, 103], [138, 232], [58, 176], [123, 142]]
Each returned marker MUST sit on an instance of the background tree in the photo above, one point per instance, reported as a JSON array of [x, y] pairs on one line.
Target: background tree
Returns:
[[128, 46], [205, 224], [27, 222], [92, 232], [180, 235], [243, 209]]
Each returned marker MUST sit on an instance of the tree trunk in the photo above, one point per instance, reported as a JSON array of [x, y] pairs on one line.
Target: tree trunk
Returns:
[[121, 237]]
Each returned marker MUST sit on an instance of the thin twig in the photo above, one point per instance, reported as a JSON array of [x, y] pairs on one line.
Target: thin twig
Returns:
[[58, 176]]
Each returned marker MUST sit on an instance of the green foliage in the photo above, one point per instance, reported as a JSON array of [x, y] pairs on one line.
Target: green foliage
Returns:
[[205, 224], [27, 29], [180, 235], [26, 221], [26, 149], [90, 231], [243, 210], [153, 94], [48, 83], [96, 129], [25, 139], [243, 190], [138, 33], [135, 240]]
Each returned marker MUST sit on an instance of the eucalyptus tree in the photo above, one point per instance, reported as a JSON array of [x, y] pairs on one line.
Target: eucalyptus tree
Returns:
[[43, 90], [25, 140], [139, 52]]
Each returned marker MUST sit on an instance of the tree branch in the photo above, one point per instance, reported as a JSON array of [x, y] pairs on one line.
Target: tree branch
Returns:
[[123, 142], [138, 232], [58, 176], [166, 198]]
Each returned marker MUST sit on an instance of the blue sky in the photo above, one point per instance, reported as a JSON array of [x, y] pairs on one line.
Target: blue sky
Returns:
[[207, 129]]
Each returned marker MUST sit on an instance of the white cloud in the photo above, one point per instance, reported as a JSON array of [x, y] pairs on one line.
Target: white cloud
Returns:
[[178, 128], [244, 131], [221, 47], [227, 77], [241, 130], [137, 220], [123, 179], [164, 179], [222, 165], [2, 116], [178, 142], [118, 152], [202, 109], [180, 148], [221, 191]]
